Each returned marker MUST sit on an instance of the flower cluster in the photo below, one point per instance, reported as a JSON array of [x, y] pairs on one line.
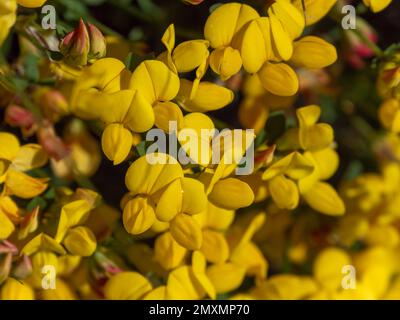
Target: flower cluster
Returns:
[[92, 208]]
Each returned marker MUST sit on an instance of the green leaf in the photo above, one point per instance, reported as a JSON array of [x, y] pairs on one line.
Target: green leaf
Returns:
[[31, 67]]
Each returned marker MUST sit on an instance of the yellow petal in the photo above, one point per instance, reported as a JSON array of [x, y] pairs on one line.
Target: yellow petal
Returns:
[[159, 293], [215, 248], [42, 242], [186, 231], [284, 192], [291, 19], [389, 115], [327, 161], [255, 225], [231, 194], [9, 146], [328, 267], [138, 215], [295, 165], [252, 259], [116, 142], [31, 3], [313, 136], [194, 197], [219, 218], [24, 186], [197, 145], [226, 277], [279, 79], [16, 290], [155, 81], [165, 112], [6, 226], [254, 44], [209, 97], [145, 178], [199, 265], [170, 202], [182, 284], [80, 241], [314, 9], [189, 55], [30, 156], [323, 198], [225, 21], [168, 39], [72, 214], [140, 116], [226, 62], [168, 253], [105, 75], [62, 292], [313, 53], [127, 286], [377, 5], [282, 46]]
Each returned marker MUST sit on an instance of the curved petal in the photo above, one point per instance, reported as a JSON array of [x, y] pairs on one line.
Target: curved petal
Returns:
[[186, 231], [138, 215], [279, 79], [127, 286], [231, 194], [324, 198], [145, 178], [313, 52], [209, 97], [155, 81], [116, 142], [225, 21]]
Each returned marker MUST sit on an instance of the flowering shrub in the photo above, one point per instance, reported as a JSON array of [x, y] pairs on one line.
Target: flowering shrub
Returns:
[[251, 153]]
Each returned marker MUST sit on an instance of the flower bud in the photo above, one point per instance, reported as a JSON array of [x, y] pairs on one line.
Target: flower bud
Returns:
[[193, 2], [52, 102], [76, 46], [98, 45], [19, 117], [52, 144], [84, 45]]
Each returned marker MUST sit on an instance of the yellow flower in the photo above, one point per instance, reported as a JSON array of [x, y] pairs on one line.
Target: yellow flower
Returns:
[[245, 259], [127, 286], [185, 57], [149, 184], [80, 241], [9, 214], [315, 10], [190, 282], [389, 115], [8, 9], [31, 3], [16, 290], [281, 177], [313, 136], [377, 5], [62, 291], [285, 287], [15, 160]]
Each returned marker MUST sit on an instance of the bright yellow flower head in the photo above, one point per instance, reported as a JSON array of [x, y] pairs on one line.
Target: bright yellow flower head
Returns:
[[377, 5]]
